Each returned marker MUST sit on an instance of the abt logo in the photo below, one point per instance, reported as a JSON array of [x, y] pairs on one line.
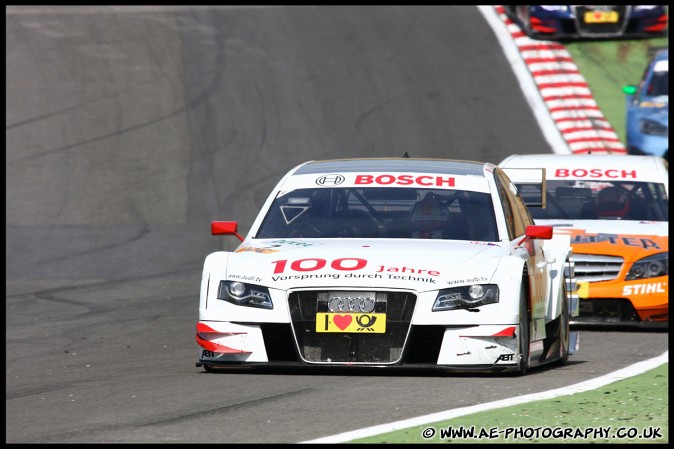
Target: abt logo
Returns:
[[505, 358]]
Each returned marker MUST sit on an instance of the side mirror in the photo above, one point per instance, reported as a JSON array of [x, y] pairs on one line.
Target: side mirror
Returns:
[[539, 232], [225, 228], [630, 90]]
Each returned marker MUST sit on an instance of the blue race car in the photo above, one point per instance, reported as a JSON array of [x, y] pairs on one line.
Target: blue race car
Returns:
[[562, 22], [648, 109]]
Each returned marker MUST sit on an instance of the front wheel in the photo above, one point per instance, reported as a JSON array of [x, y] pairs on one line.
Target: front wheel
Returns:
[[523, 337], [564, 329]]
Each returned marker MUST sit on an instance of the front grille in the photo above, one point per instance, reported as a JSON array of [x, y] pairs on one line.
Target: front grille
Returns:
[[601, 29], [320, 347], [594, 268]]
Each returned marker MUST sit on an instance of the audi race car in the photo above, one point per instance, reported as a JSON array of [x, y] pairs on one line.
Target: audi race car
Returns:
[[647, 106], [395, 262], [615, 208], [564, 22]]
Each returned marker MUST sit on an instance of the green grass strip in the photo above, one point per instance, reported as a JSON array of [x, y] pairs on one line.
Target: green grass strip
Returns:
[[637, 405]]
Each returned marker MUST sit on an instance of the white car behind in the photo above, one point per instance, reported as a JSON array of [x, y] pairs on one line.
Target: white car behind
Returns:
[[615, 208]]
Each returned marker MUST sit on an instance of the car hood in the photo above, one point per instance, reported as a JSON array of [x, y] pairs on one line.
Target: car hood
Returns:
[[617, 227], [631, 240], [421, 265]]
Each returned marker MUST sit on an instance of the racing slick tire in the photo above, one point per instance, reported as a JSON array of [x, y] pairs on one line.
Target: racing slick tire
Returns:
[[564, 326], [523, 362]]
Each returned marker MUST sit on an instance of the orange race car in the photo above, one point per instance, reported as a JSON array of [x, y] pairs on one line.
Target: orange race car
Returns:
[[615, 208]]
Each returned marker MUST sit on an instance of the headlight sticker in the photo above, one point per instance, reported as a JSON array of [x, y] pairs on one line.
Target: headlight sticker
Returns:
[[244, 278], [476, 279], [256, 250], [276, 245]]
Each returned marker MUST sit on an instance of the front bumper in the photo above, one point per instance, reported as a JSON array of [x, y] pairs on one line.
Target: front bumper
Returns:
[[490, 348], [485, 348], [631, 303]]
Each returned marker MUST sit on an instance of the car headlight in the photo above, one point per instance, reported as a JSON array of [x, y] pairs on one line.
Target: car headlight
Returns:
[[554, 7], [243, 294], [652, 128], [649, 267], [468, 297]]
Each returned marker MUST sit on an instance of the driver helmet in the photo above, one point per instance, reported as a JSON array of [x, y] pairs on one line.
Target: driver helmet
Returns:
[[429, 217], [613, 202]]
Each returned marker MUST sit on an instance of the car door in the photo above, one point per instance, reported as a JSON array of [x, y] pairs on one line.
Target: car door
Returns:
[[518, 216]]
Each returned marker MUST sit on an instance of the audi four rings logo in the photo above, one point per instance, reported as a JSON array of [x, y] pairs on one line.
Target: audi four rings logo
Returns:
[[330, 180], [351, 304]]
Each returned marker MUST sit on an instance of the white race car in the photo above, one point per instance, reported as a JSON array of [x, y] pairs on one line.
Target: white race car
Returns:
[[395, 262], [616, 210]]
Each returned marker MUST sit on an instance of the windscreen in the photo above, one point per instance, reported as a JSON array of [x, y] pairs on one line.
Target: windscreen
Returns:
[[381, 213], [659, 83], [600, 200]]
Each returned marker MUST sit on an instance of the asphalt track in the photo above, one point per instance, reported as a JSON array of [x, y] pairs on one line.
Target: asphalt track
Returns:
[[128, 129]]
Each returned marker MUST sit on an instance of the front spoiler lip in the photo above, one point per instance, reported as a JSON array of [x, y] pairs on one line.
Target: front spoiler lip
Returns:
[[355, 369], [598, 323]]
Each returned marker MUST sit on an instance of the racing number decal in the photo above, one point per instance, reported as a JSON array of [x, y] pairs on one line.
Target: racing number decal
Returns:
[[313, 264]]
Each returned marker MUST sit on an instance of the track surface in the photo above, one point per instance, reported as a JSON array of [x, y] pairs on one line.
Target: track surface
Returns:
[[129, 129]]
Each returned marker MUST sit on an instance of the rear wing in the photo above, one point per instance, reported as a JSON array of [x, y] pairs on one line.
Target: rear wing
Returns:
[[530, 184]]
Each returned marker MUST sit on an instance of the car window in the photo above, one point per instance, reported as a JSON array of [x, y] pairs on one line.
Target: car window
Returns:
[[506, 203], [659, 84], [527, 219], [596, 200], [655, 80], [381, 213]]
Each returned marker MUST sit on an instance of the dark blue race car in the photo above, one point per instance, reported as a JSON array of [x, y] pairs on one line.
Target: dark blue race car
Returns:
[[648, 109], [560, 22]]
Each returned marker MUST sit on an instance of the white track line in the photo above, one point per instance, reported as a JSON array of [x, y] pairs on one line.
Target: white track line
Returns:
[[592, 384]]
